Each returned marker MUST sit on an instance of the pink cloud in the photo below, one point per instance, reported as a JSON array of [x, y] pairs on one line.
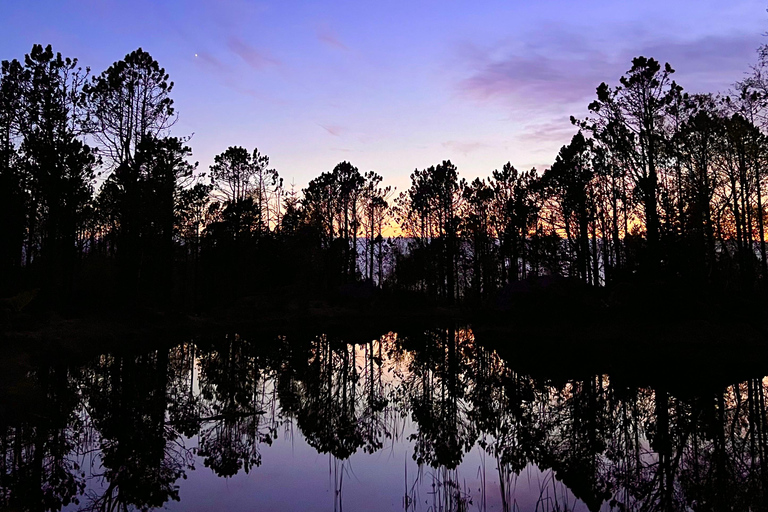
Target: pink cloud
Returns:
[[334, 130], [229, 77], [253, 57], [559, 130], [564, 68], [535, 78], [329, 37], [211, 63]]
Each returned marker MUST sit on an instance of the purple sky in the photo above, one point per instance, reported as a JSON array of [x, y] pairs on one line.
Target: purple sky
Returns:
[[392, 86]]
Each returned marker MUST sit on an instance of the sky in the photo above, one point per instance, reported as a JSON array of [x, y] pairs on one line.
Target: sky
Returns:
[[396, 85]]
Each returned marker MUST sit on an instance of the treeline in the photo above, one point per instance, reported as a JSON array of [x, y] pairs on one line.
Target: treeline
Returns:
[[656, 182], [101, 204]]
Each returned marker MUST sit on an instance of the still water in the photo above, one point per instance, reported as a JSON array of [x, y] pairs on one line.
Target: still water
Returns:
[[429, 421]]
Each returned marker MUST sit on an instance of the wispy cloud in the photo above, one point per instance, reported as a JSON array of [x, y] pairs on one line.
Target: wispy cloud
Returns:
[[328, 36], [211, 63], [558, 130], [334, 130], [707, 62], [565, 68], [255, 58], [229, 76], [533, 75]]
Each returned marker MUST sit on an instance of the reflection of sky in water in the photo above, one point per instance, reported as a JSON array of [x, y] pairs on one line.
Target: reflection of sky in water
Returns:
[[436, 397], [293, 476]]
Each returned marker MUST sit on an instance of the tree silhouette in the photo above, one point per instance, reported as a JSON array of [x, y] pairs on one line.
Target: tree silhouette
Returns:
[[570, 179], [50, 173], [130, 102], [638, 106], [658, 186]]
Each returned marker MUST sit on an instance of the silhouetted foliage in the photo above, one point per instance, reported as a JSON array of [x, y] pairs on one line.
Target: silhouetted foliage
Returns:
[[657, 184]]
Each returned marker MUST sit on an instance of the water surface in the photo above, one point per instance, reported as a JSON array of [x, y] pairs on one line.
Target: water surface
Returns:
[[425, 421]]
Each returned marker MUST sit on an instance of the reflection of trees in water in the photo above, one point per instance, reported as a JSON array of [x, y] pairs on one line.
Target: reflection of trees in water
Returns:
[[578, 427], [436, 390], [445, 491], [116, 428], [337, 394], [183, 400], [622, 447], [722, 463], [141, 409], [237, 407], [39, 468], [510, 430], [340, 394], [141, 456], [638, 449]]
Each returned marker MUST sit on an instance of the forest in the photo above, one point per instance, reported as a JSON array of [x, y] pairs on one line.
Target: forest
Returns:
[[102, 204]]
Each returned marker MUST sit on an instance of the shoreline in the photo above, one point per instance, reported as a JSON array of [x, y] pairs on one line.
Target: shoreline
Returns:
[[668, 351]]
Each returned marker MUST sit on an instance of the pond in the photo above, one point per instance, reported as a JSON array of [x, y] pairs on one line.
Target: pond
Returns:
[[428, 421]]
